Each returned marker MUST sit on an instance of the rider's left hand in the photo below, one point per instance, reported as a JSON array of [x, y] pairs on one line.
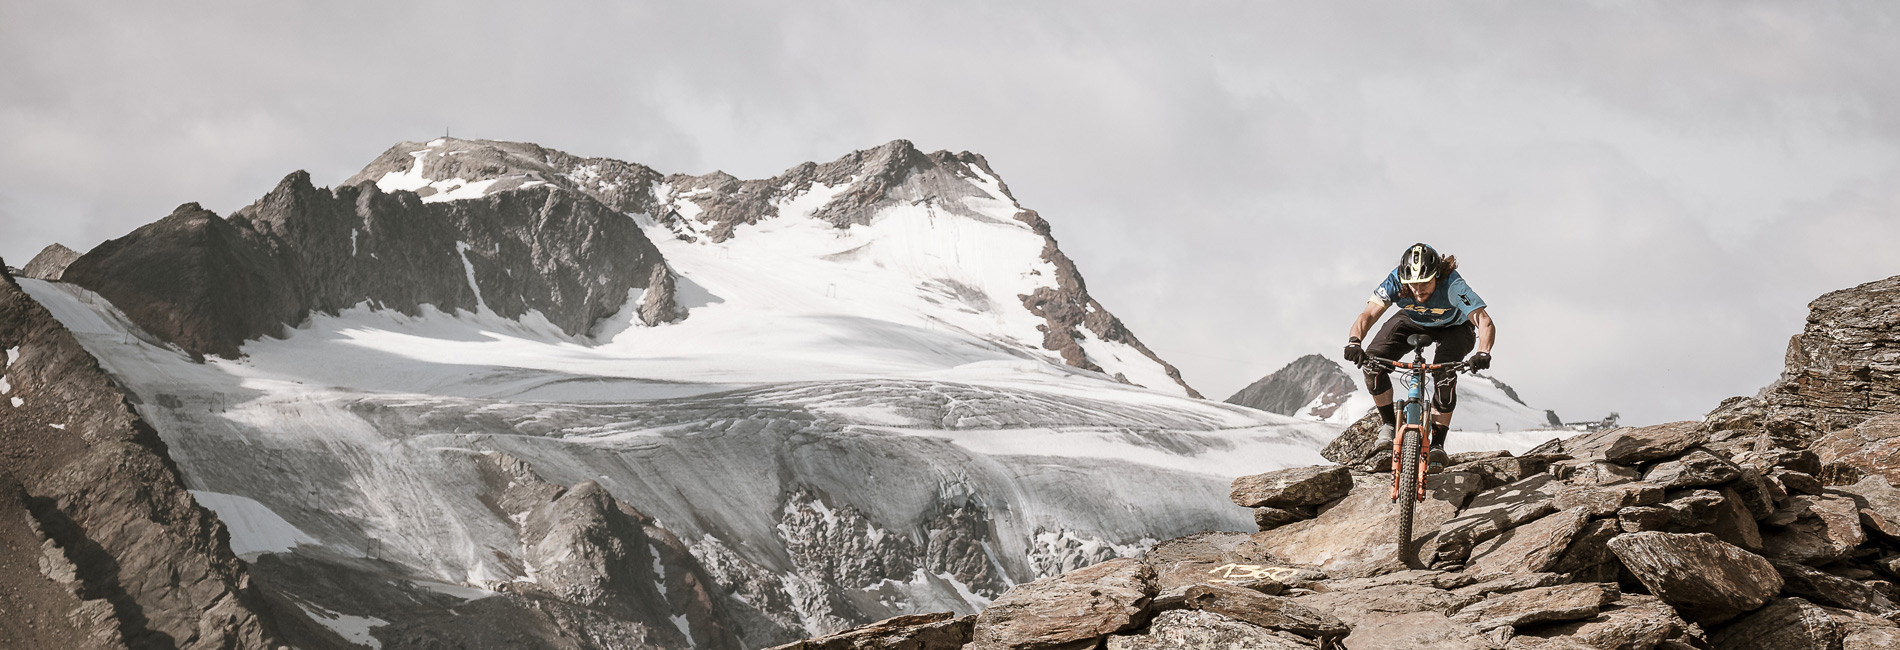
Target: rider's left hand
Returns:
[[1480, 361]]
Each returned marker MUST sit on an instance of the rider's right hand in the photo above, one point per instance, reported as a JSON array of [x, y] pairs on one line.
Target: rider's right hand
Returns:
[[1355, 354]]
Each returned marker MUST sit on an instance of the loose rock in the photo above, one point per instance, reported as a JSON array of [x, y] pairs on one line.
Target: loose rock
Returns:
[[1694, 469], [1871, 447], [1530, 548], [1829, 589], [1076, 606], [1270, 612], [1544, 604], [1292, 487], [1198, 630], [1815, 530], [1710, 581]]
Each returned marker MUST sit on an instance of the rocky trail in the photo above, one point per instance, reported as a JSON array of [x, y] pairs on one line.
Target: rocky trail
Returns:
[[1773, 523]]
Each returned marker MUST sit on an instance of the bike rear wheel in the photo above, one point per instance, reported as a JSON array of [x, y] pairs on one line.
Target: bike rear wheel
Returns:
[[1407, 478]]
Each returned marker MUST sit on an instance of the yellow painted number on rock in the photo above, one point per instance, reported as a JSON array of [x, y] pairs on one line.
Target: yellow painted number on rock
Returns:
[[1242, 572]]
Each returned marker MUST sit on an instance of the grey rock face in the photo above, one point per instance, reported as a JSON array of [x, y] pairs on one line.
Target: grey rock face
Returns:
[[102, 546], [50, 263], [208, 284], [1868, 448], [1308, 378]]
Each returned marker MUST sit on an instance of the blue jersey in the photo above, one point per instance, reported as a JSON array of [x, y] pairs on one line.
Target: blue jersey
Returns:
[[1450, 304]]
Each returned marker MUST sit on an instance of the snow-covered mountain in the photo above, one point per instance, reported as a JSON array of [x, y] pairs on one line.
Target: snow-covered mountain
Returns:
[[1319, 388], [666, 411]]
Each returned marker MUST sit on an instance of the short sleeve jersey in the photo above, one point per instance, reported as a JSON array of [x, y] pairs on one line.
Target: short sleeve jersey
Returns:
[[1450, 304]]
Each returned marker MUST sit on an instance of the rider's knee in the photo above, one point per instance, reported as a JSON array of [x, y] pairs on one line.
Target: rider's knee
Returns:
[[1377, 383]]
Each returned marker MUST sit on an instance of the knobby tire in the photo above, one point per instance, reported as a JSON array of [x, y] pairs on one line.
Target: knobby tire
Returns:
[[1408, 486]]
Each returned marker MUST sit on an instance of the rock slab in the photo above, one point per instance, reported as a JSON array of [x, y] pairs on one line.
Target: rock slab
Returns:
[[1706, 579]]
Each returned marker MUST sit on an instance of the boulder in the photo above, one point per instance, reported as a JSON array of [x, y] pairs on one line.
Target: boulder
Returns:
[[1828, 589], [1696, 468], [1604, 500], [1635, 621], [1718, 513], [1708, 580], [1074, 607], [1530, 548], [1879, 504], [1220, 558], [1797, 482], [1292, 487], [1784, 624], [1756, 494], [1540, 605], [1640, 518], [1632, 445], [1815, 530], [1589, 558], [1871, 447], [1271, 518], [1355, 447], [935, 631], [1501, 470], [1593, 471], [1198, 630], [1490, 513], [1354, 536], [1414, 631], [1271, 612], [1841, 370]]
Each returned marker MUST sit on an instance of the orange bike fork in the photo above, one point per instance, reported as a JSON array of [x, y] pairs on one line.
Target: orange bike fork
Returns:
[[1425, 453]]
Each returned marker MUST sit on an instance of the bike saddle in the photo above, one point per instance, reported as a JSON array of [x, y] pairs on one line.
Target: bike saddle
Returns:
[[1419, 340]]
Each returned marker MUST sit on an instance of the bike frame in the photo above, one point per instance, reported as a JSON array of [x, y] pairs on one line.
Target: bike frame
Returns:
[[1417, 396]]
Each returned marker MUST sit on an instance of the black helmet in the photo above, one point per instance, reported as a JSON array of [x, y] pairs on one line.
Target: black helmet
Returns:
[[1418, 264]]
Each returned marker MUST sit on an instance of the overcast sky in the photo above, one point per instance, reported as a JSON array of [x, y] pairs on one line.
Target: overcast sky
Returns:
[[1647, 194]]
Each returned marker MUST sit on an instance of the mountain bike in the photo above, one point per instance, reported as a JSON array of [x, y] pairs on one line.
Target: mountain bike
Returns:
[[1412, 443]]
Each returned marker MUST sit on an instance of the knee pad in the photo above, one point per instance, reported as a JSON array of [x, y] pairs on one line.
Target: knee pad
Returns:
[[1445, 393], [1378, 382]]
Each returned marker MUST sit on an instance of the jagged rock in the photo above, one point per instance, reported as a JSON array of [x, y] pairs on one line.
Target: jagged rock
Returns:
[[1354, 447], [1220, 558], [934, 631], [1530, 548], [1631, 445], [1829, 589], [1292, 487], [1270, 612], [1589, 558], [1797, 482], [1463, 457], [1312, 379], [1636, 621], [50, 263], [1357, 604], [1510, 584], [1814, 530], [1710, 581], [1593, 471], [1353, 536], [1606, 500], [1719, 513], [1756, 494], [1879, 504], [1539, 605], [1870, 447], [1696, 468], [1841, 370], [1490, 512], [1074, 607], [1271, 518], [1414, 631], [1199, 630], [99, 530], [1783, 624], [1641, 518], [1506, 469]]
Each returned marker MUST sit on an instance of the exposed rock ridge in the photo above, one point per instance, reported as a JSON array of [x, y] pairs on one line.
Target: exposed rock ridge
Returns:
[[1308, 378], [1069, 310], [1843, 368], [50, 263], [100, 544], [208, 284]]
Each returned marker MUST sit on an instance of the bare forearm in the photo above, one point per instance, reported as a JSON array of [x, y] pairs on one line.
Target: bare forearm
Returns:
[[1487, 332]]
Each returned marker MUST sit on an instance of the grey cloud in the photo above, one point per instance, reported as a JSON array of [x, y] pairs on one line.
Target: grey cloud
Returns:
[[1232, 177]]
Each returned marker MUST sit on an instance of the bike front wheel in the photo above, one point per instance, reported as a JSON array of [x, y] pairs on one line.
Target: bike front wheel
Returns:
[[1407, 478]]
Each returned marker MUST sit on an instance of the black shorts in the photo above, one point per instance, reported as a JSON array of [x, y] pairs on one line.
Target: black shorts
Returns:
[[1454, 341]]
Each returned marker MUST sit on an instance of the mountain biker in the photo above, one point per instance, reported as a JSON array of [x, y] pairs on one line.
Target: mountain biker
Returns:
[[1434, 300]]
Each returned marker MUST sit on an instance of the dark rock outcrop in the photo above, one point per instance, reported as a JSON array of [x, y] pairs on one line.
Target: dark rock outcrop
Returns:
[[1842, 369], [208, 284], [100, 544], [1308, 379]]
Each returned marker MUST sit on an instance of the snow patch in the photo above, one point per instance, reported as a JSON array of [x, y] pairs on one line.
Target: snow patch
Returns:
[[461, 248], [354, 629], [255, 529]]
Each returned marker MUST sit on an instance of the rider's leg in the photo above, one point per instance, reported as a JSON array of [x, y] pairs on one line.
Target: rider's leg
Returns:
[[1454, 343]]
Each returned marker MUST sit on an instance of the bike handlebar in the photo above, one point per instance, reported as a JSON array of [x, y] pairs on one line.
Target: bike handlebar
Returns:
[[1389, 365]]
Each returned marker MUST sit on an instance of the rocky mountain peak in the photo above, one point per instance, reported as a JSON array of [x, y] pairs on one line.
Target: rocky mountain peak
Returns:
[[50, 263], [1309, 380]]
